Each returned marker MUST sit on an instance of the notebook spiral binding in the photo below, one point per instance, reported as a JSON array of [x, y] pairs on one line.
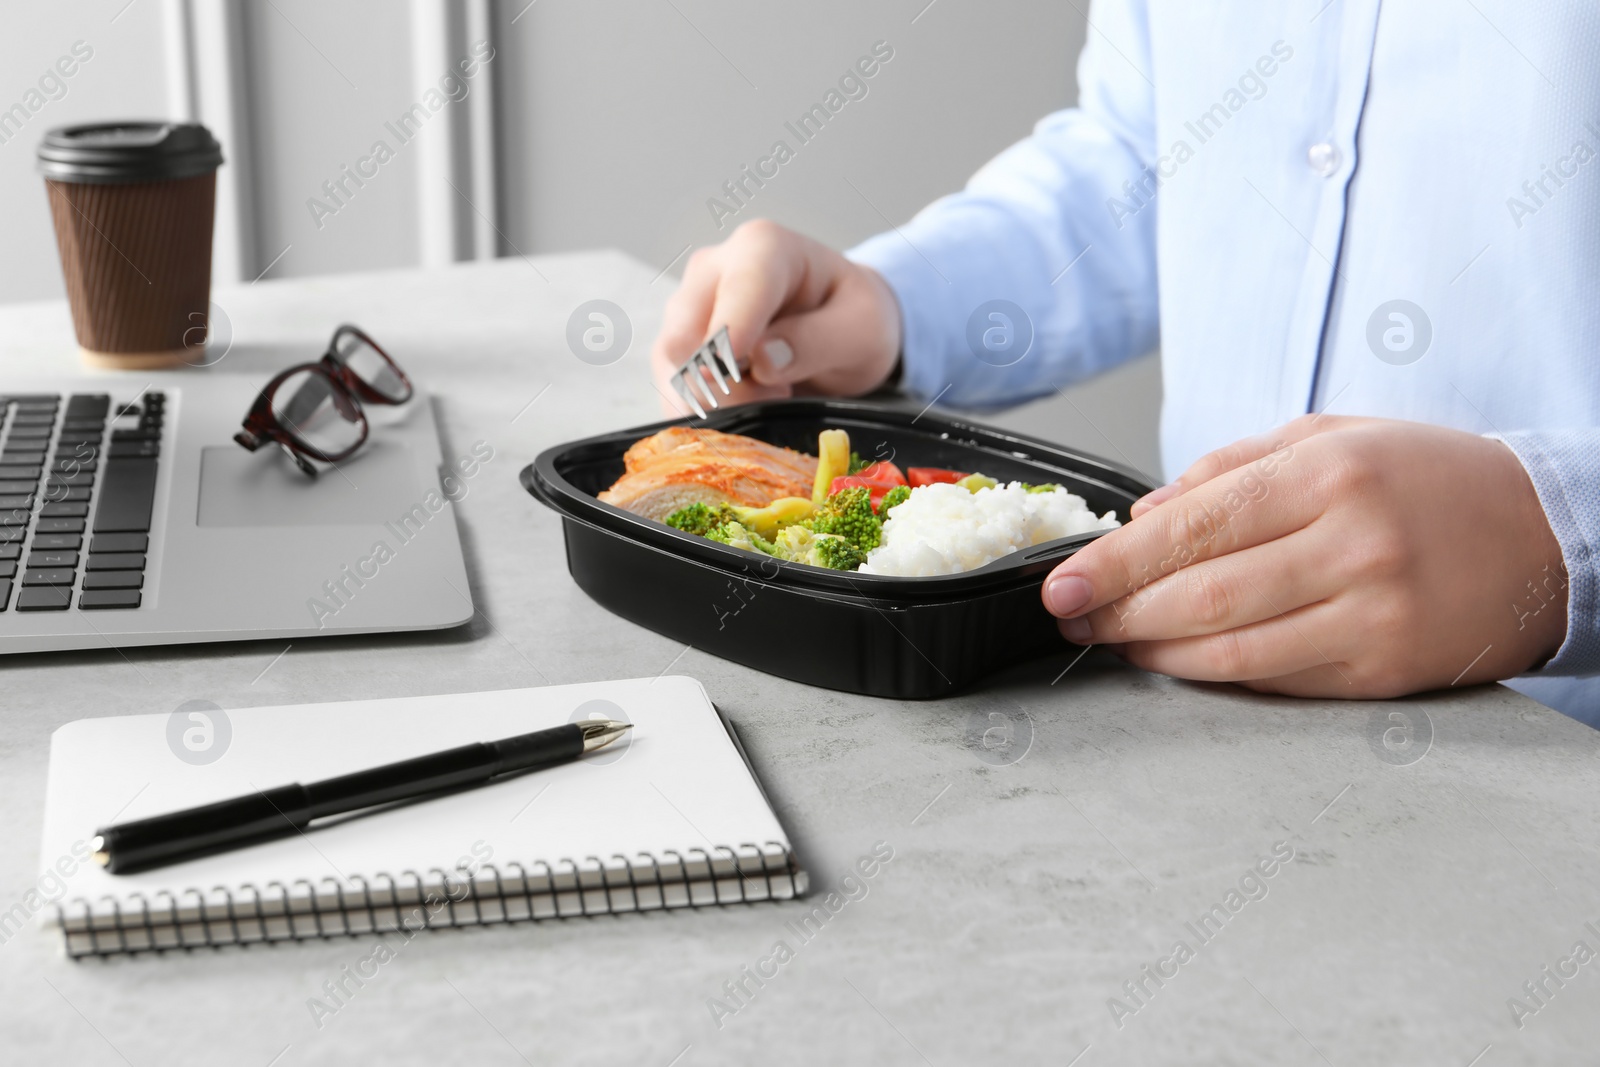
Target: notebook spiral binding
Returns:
[[568, 889]]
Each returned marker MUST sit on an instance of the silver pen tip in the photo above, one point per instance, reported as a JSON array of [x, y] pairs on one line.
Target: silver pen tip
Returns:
[[98, 851], [598, 733]]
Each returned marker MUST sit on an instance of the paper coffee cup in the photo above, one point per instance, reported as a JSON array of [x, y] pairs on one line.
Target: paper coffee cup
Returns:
[[133, 204]]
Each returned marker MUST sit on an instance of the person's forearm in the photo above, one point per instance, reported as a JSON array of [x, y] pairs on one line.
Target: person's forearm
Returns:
[[1043, 269]]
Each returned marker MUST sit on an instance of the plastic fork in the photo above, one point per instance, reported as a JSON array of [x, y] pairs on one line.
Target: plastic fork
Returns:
[[705, 367]]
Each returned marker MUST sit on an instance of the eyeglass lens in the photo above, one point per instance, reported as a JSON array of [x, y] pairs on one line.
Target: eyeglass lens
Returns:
[[367, 363], [321, 414]]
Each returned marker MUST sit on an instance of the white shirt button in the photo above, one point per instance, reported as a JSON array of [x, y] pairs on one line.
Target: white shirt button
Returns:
[[1324, 158]]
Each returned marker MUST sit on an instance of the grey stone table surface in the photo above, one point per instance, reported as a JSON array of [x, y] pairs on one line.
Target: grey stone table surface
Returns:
[[1055, 836]]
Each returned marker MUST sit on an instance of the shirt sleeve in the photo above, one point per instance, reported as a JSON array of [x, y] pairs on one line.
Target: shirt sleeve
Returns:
[[1043, 269], [1565, 468]]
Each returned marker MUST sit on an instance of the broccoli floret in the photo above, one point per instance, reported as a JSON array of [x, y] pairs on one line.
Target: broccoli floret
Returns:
[[893, 499], [848, 514], [699, 519], [800, 545], [728, 533], [857, 464], [835, 553], [794, 542], [736, 535]]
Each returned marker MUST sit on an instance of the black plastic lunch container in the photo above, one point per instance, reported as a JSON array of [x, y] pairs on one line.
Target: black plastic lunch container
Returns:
[[907, 638]]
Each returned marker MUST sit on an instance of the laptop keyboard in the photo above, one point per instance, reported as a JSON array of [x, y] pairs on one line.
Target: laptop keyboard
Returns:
[[62, 483]]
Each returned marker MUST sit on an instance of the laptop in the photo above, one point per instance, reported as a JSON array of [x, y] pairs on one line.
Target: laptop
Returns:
[[129, 516]]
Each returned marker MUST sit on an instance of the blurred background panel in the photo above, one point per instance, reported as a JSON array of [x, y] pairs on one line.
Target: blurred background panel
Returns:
[[513, 127]]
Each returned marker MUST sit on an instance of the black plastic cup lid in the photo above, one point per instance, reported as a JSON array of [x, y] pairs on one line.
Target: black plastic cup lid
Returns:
[[113, 152]]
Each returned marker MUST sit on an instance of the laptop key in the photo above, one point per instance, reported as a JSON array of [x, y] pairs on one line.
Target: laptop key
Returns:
[[57, 493], [64, 510], [59, 526], [49, 576], [21, 501], [15, 487], [12, 472], [42, 541], [75, 480], [114, 580], [61, 557], [10, 534], [15, 516], [109, 598], [133, 449], [5, 593], [119, 542], [10, 551], [72, 465], [126, 496], [8, 569], [44, 598], [116, 561]]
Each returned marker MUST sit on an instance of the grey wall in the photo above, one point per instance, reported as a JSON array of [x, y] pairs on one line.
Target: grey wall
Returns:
[[125, 75], [617, 120], [625, 139], [317, 102]]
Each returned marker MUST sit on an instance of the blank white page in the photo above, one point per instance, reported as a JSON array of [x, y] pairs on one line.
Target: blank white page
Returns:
[[676, 784]]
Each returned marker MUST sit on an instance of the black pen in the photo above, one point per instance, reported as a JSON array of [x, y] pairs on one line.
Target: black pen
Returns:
[[162, 839]]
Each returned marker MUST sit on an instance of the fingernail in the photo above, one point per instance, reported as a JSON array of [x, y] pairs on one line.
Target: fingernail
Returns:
[[1078, 631], [1067, 594], [1159, 496], [778, 353]]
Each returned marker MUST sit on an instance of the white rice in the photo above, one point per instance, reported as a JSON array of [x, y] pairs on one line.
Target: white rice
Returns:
[[944, 529]]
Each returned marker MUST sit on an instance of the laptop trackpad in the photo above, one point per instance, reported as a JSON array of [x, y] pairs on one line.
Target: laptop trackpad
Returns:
[[239, 488]]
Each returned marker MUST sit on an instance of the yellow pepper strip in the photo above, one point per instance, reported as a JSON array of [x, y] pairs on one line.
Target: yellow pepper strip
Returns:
[[973, 482], [767, 521], [833, 461]]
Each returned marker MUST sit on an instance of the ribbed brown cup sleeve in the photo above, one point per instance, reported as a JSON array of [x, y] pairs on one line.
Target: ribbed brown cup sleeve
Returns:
[[137, 262]]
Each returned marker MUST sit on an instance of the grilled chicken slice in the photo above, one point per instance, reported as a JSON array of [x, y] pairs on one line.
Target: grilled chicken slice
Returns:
[[679, 441], [680, 466]]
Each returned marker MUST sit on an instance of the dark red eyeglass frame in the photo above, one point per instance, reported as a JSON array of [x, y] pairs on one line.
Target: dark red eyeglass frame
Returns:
[[347, 390]]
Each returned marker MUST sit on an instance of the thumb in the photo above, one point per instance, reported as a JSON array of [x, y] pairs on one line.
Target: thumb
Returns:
[[794, 347], [813, 345]]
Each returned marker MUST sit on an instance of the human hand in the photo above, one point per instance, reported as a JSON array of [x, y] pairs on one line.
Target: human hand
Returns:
[[799, 312], [1335, 557]]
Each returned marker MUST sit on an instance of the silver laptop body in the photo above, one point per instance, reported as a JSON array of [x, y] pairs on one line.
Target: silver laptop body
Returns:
[[240, 545]]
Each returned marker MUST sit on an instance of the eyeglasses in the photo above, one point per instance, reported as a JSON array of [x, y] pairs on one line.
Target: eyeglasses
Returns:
[[313, 410]]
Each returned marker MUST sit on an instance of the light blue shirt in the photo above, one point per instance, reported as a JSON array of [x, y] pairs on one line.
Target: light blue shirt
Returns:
[[1388, 210]]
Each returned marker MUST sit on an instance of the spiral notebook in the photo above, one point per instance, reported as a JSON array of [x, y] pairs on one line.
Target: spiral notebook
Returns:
[[671, 817]]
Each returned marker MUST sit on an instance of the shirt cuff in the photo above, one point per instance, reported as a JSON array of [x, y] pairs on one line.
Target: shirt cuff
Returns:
[[1564, 466], [917, 288]]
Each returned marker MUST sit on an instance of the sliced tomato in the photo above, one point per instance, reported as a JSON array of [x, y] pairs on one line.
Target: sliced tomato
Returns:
[[882, 471], [920, 476], [876, 487]]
